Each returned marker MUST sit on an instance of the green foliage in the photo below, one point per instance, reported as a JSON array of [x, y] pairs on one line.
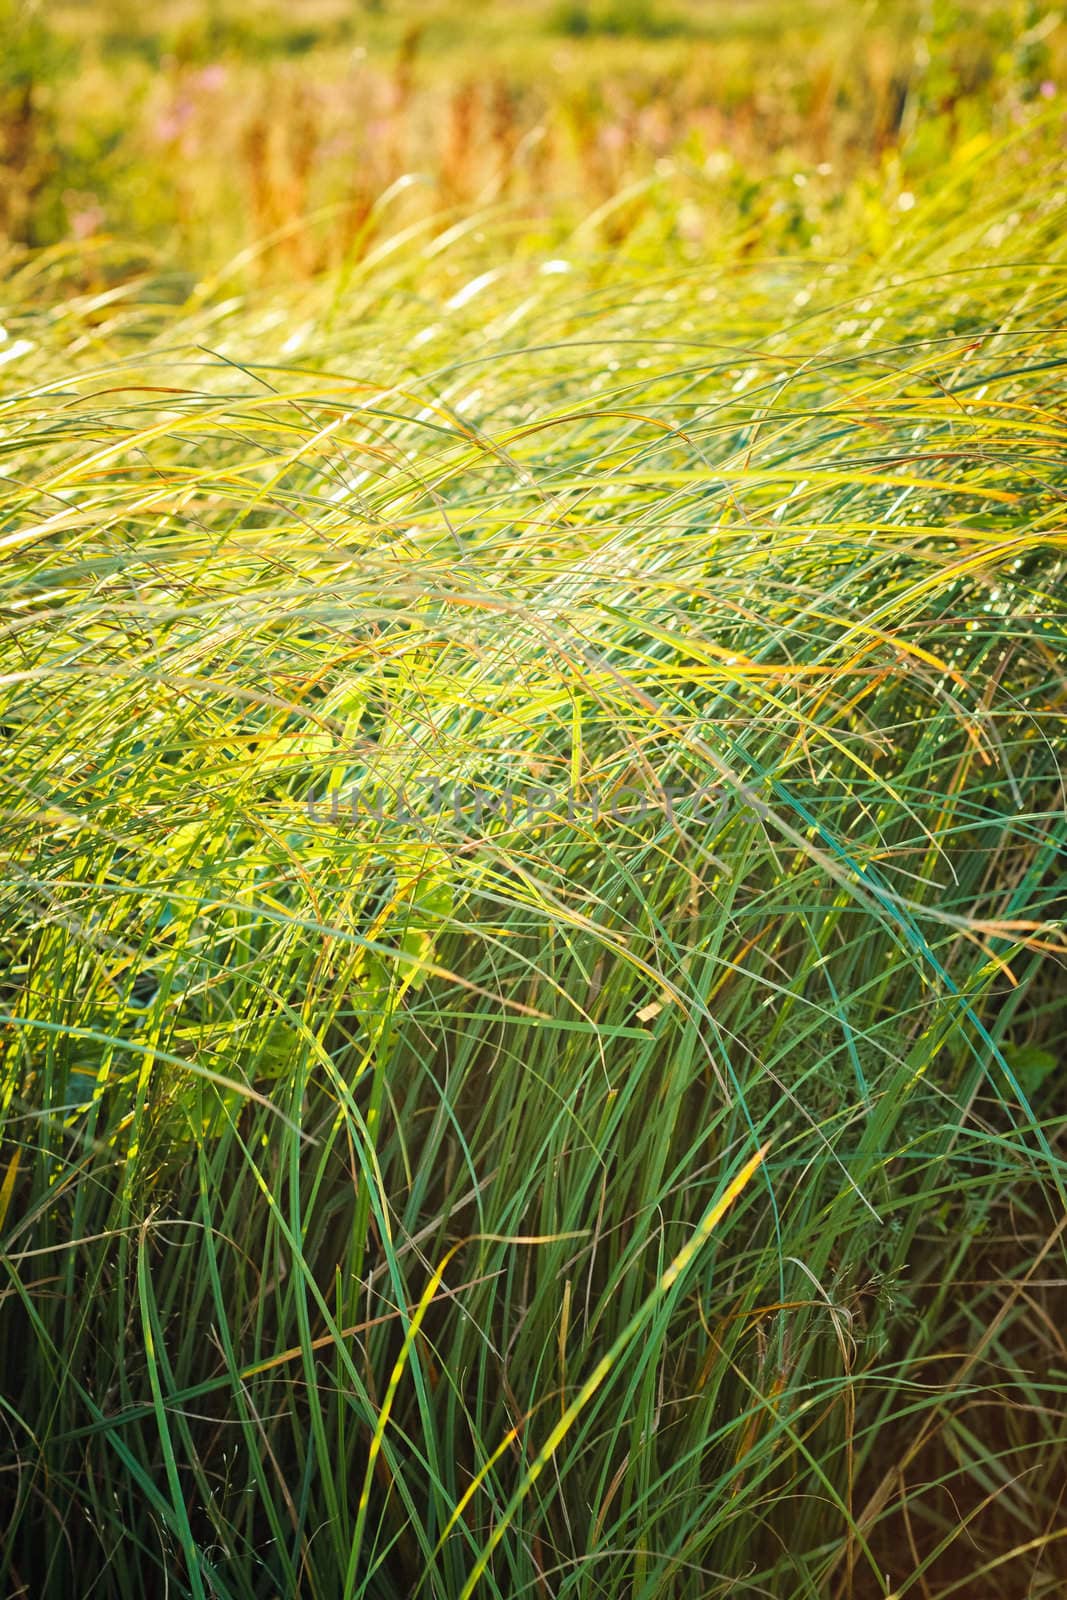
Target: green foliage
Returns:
[[31, 54], [642, 19], [31, 63]]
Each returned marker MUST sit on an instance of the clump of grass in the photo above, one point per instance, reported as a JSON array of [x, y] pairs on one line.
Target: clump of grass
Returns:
[[420, 1199]]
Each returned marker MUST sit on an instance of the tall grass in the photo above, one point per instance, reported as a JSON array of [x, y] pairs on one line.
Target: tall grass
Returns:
[[415, 1201]]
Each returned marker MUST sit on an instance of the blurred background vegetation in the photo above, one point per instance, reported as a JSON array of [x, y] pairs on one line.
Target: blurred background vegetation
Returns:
[[204, 128]]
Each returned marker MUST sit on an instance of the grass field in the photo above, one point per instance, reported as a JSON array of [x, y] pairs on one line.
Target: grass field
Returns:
[[532, 951]]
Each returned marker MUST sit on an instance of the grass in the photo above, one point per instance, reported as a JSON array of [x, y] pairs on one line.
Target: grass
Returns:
[[410, 1198]]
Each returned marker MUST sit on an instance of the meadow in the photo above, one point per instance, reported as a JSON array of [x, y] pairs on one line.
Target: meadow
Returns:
[[531, 717]]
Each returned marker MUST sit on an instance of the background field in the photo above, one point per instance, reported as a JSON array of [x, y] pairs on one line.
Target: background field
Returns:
[[409, 1190], [202, 130]]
